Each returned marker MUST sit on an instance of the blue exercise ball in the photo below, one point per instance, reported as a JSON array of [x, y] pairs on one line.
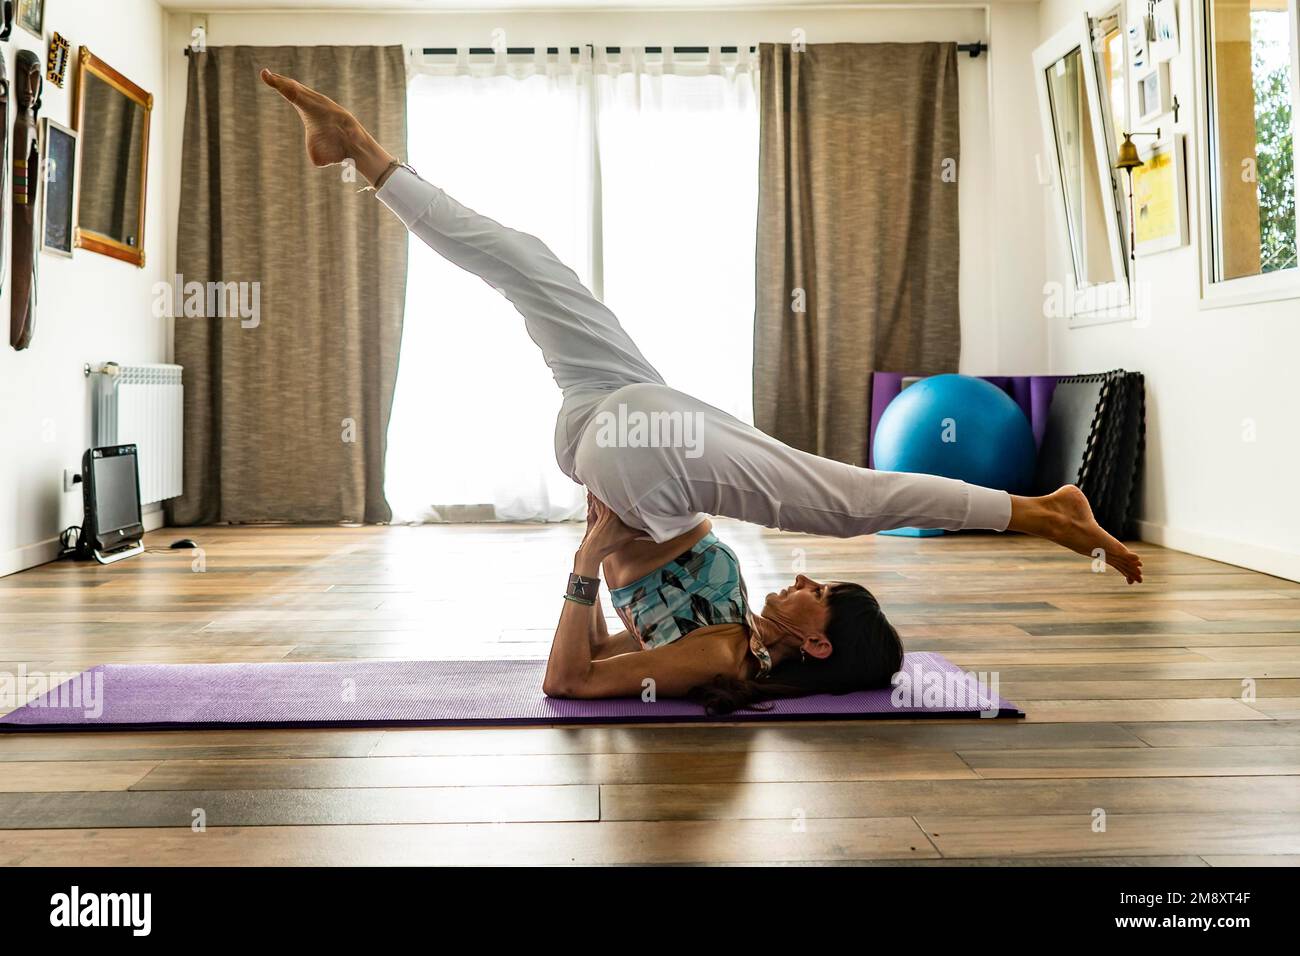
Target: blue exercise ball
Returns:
[[958, 427]]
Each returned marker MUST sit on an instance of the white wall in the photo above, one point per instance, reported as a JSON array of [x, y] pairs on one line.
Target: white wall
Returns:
[[1208, 373], [994, 287], [90, 308], [1012, 254]]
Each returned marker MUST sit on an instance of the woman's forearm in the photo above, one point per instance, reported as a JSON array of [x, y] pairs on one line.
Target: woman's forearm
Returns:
[[571, 651], [599, 629]]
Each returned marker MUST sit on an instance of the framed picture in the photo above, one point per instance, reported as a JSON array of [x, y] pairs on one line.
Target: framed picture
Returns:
[[31, 16], [1137, 45], [59, 195], [56, 64], [1151, 94], [1164, 30], [1160, 198]]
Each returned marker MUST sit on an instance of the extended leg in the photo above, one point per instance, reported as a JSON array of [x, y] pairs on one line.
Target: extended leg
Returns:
[[699, 459], [588, 352], [658, 457], [581, 340]]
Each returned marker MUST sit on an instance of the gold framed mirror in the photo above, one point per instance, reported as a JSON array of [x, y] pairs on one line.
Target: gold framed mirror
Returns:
[[111, 115]]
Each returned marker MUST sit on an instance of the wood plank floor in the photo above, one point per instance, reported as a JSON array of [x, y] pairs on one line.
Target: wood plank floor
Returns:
[[1163, 720]]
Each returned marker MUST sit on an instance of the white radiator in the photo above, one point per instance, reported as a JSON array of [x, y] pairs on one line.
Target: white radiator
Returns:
[[141, 405]]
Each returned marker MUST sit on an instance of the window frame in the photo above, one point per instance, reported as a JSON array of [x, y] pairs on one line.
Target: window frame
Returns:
[[1218, 293], [1105, 302], [1119, 183]]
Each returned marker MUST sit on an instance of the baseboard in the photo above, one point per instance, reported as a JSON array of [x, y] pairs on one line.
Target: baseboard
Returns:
[[20, 559], [153, 520], [1282, 564], [43, 552]]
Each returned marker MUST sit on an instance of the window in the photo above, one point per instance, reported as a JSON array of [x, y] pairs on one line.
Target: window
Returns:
[[1249, 50], [1080, 88], [1076, 148], [646, 186], [1108, 48]]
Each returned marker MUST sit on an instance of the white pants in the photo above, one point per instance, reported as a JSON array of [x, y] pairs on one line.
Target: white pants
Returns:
[[659, 458]]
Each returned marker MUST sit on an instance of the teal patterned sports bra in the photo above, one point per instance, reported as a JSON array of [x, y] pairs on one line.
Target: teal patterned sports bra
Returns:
[[698, 588]]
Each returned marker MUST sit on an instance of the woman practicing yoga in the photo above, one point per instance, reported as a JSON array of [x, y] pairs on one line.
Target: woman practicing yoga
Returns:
[[656, 461]]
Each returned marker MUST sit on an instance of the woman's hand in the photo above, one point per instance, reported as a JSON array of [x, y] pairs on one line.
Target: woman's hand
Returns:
[[606, 533]]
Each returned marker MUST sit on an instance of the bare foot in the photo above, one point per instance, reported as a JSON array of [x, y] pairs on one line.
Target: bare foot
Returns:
[[1065, 517], [333, 134]]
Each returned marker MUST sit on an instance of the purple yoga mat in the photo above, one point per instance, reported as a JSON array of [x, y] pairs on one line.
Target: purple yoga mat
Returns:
[[430, 693]]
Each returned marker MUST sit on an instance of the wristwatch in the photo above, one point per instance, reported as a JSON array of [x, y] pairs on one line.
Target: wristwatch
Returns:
[[583, 589]]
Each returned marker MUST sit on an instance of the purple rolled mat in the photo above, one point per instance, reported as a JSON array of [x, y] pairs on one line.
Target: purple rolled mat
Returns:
[[1041, 388], [1033, 393], [885, 387], [437, 693]]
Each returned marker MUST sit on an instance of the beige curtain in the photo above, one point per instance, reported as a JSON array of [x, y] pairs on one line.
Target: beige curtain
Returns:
[[286, 413], [857, 233]]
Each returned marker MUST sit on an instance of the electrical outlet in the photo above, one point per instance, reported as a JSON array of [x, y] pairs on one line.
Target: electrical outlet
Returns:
[[71, 478]]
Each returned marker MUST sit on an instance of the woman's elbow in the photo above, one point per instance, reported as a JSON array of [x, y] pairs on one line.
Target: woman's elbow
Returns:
[[557, 689], [562, 688]]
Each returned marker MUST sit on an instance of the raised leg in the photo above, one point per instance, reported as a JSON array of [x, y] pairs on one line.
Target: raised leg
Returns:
[[581, 340], [702, 460], [588, 351]]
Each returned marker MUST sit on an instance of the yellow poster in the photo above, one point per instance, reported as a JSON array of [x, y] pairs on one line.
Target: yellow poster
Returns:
[[1155, 200]]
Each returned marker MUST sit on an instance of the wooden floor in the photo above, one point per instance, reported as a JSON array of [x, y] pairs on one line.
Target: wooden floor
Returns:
[[1162, 721]]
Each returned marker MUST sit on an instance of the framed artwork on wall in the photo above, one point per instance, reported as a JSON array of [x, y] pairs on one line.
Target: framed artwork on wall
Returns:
[[56, 64], [1160, 198], [1137, 46], [31, 16], [1164, 30], [59, 196], [1151, 91]]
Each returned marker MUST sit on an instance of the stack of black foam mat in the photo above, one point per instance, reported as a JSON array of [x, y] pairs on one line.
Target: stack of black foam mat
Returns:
[[1095, 436]]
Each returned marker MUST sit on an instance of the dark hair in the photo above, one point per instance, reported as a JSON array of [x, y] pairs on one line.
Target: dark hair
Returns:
[[866, 652]]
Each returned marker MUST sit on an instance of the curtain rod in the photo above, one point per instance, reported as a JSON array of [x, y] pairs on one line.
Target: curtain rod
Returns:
[[974, 49]]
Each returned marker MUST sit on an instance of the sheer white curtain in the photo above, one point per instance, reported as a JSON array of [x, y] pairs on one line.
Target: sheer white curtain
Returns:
[[642, 176], [679, 208], [474, 409]]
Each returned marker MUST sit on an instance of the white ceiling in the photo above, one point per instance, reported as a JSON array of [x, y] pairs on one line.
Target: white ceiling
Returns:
[[371, 6], [375, 6]]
